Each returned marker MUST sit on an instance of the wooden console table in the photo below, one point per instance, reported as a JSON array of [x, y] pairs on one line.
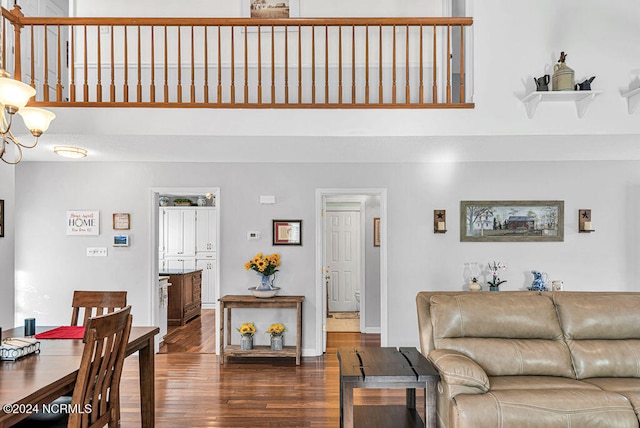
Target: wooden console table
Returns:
[[230, 301]]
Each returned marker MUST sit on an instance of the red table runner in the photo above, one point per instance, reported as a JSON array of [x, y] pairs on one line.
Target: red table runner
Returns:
[[64, 332]]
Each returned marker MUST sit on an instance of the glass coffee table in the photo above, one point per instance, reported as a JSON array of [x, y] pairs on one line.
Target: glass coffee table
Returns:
[[370, 367]]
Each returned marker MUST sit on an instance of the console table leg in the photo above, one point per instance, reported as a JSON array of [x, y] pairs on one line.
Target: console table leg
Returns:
[[221, 332]]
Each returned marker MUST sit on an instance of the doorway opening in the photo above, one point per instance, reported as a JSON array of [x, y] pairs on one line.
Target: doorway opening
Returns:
[[352, 280], [184, 241]]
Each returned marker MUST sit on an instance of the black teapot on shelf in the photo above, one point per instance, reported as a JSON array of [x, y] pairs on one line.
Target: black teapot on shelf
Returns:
[[542, 83], [586, 85]]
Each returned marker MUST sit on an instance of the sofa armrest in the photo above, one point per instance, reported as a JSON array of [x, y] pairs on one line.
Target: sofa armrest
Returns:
[[462, 374]]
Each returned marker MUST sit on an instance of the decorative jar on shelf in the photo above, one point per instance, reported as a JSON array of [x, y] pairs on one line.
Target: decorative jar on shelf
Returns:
[[563, 77], [277, 342], [246, 342], [475, 285]]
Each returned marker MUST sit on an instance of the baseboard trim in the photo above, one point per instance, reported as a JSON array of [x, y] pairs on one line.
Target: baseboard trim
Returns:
[[372, 330]]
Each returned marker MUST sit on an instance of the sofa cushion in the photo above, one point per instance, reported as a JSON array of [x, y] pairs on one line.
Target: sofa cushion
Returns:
[[563, 408], [504, 334], [460, 372], [499, 383], [629, 387], [602, 331]]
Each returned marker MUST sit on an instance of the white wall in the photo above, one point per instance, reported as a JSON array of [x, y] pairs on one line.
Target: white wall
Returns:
[[418, 258], [7, 181]]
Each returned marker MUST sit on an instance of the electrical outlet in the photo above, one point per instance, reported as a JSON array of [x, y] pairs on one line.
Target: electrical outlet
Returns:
[[97, 252], [253, 236]]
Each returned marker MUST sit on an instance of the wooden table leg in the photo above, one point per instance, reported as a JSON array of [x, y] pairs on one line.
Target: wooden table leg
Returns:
[[430, 397], [411, 398], [346, 405], [146, 361], [221, 332], [299, 335]]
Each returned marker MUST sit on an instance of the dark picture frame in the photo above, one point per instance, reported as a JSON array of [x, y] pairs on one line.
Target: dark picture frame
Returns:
[[287, 232], [511, 221], [1, 218], [121, 221]]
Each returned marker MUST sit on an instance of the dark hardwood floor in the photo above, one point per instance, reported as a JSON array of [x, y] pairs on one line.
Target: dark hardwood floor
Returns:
[[193, 390]]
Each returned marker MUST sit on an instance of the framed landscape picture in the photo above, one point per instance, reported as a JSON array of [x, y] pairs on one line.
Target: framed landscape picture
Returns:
[[511, 221]]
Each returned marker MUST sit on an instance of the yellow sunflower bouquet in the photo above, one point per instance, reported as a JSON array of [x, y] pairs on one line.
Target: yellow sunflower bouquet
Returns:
[[276, 329], [267, 265], [247, 329]]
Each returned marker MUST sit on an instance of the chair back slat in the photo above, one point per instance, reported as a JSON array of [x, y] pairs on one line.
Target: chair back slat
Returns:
[[98, 381], [95, 303]]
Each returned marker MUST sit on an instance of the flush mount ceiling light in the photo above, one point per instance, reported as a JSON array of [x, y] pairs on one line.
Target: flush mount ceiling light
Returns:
[[14, 96], [70, 152]]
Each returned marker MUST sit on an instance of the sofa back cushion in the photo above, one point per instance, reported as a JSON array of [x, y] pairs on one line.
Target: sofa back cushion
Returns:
[[505, 334], [602, 331]]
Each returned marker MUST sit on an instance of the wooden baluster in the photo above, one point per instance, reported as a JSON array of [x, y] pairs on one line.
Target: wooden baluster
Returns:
[[85, 86], [233, 65], [219, 92], [139, 86], [407, 86], [299, 65], [340, 64], [462, 95], [112, 87], [246, 67], [380, 94], [45, 65], [152, 86], [259, 64], [394, 69], [353, 64], [286, 64], [326, 64], [125, 87], [4, 43], [366, 66], [421, 89], [33, 62], [273, 68], [206, 65], [59, 71], [17, 51], [72, 66], [434, 93], [166, 67], [313, 64], [179, 66], [448, 64], [192, 91], [99, 68]]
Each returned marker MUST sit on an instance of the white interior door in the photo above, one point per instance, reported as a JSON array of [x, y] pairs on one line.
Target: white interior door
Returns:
[[343, 259]]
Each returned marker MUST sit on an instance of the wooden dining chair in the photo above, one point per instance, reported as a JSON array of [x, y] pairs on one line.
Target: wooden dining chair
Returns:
[[95, 303], [96, 396]]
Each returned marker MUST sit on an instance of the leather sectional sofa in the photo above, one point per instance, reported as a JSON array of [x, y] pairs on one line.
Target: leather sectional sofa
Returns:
[[533, 359]]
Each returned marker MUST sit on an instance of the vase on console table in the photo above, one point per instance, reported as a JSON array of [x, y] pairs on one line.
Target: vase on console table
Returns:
[[266, 282]]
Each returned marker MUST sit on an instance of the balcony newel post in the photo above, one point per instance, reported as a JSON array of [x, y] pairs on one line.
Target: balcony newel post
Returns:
[[17, 27]]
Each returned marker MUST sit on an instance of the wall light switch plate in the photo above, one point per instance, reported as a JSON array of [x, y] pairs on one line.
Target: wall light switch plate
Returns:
[[97, 252], [251, 236]]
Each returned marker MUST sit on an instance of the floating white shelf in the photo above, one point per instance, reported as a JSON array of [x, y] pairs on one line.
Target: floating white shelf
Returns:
[[581, 98], [633, 99]]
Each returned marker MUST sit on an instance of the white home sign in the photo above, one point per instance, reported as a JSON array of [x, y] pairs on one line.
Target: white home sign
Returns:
[[83, 222]]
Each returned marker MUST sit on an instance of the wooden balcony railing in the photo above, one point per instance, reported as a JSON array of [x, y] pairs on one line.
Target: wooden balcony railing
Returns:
[[240, 62]]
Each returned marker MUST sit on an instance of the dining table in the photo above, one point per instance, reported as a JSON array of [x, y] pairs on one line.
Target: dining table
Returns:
[[41, 377]]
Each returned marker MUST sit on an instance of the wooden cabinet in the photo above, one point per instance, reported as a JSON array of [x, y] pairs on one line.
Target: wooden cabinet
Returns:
[[185, 300]]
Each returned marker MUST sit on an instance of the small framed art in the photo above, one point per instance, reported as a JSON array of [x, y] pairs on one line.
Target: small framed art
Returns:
[[121, 221], [287, 232], [376, 231], [1, 218]]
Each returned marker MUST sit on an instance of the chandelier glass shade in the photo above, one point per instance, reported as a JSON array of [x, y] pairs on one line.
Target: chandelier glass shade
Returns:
[[14, 96]]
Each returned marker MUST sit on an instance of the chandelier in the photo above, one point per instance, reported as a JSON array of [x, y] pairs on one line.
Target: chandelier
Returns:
[[14, 96]]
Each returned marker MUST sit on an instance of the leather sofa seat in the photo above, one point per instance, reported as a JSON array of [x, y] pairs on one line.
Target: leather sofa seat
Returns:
[[533, 359]]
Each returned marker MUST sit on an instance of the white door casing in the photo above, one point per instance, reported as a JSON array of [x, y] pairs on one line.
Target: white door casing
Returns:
[[343, 259]]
